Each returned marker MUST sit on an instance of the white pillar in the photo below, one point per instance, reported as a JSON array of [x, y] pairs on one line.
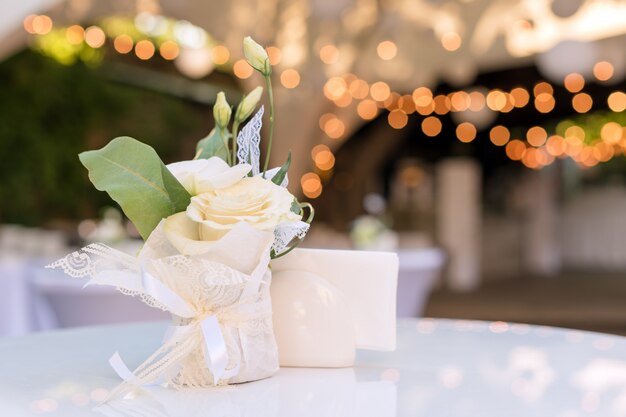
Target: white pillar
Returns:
[[459, 215], [540, 235]]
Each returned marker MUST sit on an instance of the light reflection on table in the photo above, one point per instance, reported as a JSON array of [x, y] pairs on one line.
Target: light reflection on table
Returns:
[[441, 368]]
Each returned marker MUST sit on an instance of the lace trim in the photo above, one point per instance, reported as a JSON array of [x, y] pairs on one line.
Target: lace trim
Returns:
[[286, 233], [249, 141]]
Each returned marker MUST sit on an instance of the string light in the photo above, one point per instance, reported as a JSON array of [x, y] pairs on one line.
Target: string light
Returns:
[[95, 37], [397, 119], [574, 82], [451, 41], [41, 25], [442, 104], [220, 54], [290, 78], [311, 185], [477, 101], [582, 102], [536, 136], [169, 50], [144, 49], [387, 50], [460, 101], [521, 96], [123, 44], [275, 55], [499, 135], [380, 91], [329, 54], [603, 71], [334, 88], [359, 89], [617, 101], [75, 34], [515, 149], [466, 132], [431, 126], [367, 109], [406, 104]]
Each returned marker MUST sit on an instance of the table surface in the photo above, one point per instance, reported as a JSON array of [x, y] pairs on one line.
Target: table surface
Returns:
[[441, 368]]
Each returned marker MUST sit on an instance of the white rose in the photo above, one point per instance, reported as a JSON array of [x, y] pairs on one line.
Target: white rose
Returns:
[[259, 203], [252, 201], [203, 175]]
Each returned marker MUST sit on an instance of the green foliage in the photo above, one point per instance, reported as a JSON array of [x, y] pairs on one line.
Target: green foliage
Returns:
[[49, 113], [135, 177], [280, 175], [214, 145]]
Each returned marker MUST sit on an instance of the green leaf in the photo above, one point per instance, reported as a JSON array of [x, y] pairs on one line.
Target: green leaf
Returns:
[[134, 176], [213, 145], [280, 175]]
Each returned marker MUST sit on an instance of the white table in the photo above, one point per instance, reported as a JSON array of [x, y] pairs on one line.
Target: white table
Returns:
[[441, 368]]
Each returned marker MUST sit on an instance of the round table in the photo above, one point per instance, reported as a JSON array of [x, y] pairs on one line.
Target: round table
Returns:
[[441, 368]]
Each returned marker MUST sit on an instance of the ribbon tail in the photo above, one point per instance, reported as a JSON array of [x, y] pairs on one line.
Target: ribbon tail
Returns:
[[120, 367], [152, 370], [215, 351]]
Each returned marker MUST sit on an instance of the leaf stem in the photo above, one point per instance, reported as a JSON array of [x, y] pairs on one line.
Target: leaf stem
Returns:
[[268, 82]]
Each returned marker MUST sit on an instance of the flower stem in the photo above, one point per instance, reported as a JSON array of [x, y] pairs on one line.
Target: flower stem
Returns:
[[235, 132], [224, 136], [268, 82]]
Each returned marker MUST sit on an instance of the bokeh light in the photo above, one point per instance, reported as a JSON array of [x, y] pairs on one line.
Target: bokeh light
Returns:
[[617, 101], [95, 37], [290, 78], [515, 149], [329, 54], [431, 126], [169, 50], [603, 71], [499, 135], [123, 44], [536, 136], [220, 54], [367, 109], [144, 49], [380, 91], [311, 185], [242, 69], [275, 55], [397, 119], [582, 102], [387, 50], [466, 132], [451, 41], [75, 34], [574, 82]]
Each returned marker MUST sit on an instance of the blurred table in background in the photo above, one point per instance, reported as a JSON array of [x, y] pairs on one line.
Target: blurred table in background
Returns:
[[34, 299]]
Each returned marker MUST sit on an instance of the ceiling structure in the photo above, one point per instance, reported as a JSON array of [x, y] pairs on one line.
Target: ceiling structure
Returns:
[[398, 45]]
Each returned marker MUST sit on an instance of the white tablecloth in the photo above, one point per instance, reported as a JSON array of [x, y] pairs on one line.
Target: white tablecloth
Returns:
[[442, 368]]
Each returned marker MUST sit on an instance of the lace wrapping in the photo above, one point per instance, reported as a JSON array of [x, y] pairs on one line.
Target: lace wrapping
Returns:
[[211, 286]]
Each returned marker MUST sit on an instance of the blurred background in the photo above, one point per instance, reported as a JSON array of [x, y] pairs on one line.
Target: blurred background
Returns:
[[483, 140]]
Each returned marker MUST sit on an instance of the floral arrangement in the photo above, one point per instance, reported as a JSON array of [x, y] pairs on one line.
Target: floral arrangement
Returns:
[[211, 226]]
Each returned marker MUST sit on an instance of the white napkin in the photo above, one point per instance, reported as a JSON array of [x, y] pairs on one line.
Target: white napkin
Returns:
[[368, 282]]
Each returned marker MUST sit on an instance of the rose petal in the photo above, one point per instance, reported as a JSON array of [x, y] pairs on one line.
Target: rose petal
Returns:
[[183, 234], [210, 178]]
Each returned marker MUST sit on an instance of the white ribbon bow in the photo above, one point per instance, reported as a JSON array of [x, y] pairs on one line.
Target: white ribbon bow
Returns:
[[215, 351]]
